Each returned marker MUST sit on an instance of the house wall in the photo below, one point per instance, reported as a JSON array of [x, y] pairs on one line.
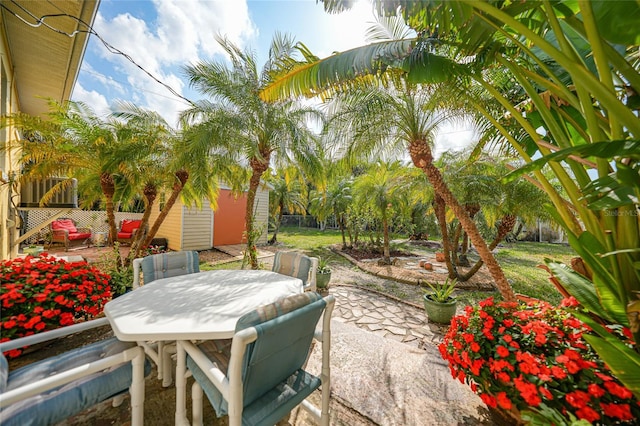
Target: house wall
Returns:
[[9, 222]]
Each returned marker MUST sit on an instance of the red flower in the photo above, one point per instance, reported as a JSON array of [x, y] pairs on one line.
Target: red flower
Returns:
[[618, 390], [489, 400], [577, 399], [619, 411], [503, 401], [524, 354], [502, 351], [588, 414]]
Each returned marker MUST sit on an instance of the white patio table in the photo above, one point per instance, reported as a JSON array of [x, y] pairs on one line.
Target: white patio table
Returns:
[[201, 306]]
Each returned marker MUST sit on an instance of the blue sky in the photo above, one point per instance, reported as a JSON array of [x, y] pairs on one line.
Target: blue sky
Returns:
[[163, 36]]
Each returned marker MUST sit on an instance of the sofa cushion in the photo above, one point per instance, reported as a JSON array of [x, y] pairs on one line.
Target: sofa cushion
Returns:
[[64, 224], [55, 405], [129, 225], [80, 236], [124, 235]]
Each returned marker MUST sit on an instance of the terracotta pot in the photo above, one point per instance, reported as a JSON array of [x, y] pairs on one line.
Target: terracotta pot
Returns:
[[428, 266], [422, 262], [440, 257]]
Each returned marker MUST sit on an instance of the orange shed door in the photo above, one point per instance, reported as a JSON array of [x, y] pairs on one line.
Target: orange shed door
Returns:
[[229, 219]]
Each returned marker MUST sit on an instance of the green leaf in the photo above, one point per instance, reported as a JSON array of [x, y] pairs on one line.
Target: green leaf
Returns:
[[426, 67], [579, 287], [618, 21], [623, 361], [607, 150]]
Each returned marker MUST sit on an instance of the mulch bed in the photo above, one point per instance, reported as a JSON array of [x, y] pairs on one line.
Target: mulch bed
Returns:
[[367, 253]]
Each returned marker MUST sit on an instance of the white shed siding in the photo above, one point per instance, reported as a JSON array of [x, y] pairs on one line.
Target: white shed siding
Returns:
[[197, 227], [261, 207]]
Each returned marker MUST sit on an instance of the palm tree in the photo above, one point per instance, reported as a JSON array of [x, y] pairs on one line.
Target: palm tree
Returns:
[[73, 142], [238, 121], [581, 89], [334, 201], [286, 193], [380, 190], [379, 121]]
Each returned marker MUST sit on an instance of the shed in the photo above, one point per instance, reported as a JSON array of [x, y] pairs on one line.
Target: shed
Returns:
[[192, 228]]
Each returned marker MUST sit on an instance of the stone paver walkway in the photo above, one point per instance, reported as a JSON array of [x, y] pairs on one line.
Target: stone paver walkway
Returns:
[[384, 316]]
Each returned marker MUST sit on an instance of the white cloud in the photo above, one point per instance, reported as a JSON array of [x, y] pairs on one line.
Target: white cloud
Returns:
[[95, 100], [348, 29], [106, 81]]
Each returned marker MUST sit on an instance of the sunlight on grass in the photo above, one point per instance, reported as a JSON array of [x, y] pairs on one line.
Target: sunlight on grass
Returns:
[[308, 238], [519, 261]]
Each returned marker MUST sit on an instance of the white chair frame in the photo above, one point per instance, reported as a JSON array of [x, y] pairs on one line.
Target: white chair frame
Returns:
[[133, 355], [230, 384]]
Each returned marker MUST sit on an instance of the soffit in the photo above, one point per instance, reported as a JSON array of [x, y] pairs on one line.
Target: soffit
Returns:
[[46, 63]]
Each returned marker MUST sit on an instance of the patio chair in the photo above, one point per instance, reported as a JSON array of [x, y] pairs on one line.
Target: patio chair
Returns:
[[297, 265], [128, 229], [51, 390], [65, 231], [259, 377], [154, 267]]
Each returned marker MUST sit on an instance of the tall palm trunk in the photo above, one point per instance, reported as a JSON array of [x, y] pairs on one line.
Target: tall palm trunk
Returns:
[[150, 193], [506, 225], [182, 176], [422, 158], [108, 187], [259, 166]]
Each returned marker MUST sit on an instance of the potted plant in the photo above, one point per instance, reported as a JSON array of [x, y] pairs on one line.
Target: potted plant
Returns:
[[439, 303], [323, 274]]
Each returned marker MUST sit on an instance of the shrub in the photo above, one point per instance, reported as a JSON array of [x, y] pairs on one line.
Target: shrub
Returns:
[[532, 356], [44, 293]]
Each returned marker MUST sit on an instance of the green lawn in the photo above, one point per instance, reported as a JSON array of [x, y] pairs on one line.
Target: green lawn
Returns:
[[519, 261]]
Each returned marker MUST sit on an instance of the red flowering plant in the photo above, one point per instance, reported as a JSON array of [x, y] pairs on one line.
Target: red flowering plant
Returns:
[[532, 356], [43, 293]]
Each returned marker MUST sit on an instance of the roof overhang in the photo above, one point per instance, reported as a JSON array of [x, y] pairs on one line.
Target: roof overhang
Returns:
[[45, 62]]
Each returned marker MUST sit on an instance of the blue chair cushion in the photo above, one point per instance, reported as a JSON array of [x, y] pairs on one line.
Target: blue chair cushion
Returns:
[[293, 264], [273, 310], [172, 264], [4, 372], [276, 354], [60, 403]]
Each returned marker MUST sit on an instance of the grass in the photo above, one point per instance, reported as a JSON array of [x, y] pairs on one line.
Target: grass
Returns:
[[519, 262]]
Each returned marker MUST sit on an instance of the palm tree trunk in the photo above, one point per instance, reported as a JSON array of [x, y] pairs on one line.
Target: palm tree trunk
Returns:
[[258, 166], [439, 209], [422, 158], [150, 193], [385, 240], [108, 187], [274, 237], [506, 225], [182, 176], [341, 224]]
